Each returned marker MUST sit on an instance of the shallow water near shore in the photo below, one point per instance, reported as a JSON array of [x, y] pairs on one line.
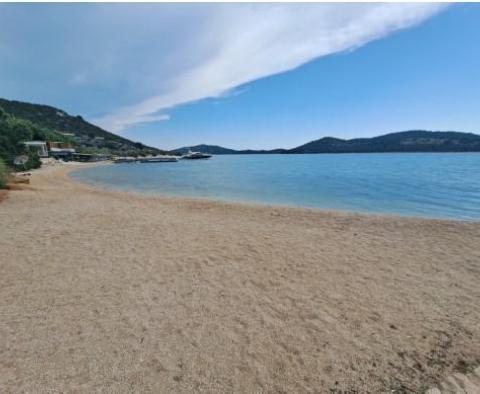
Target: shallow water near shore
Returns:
[[435, 185]]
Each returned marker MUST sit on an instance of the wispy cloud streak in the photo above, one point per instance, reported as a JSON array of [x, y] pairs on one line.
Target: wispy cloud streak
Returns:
[[255, 41], [150, 58]]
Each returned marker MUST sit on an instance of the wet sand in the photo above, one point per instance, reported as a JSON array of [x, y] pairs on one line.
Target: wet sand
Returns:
[[104, 291]]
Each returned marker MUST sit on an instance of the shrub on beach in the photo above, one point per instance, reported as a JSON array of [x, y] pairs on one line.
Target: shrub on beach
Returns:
[[13, 132], [33, 161], [3, 174]]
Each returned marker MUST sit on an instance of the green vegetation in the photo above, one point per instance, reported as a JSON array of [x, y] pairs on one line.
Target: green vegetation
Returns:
[[92, 151], [3, 174], [404, 141], [13, 132], [87, 137]]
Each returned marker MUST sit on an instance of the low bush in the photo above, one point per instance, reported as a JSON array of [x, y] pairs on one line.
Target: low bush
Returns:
[[3, 175], [13, 132]]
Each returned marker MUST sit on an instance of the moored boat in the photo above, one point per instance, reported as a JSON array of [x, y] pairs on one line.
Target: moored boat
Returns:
[[157, 159], [196, 155], [119, 160]]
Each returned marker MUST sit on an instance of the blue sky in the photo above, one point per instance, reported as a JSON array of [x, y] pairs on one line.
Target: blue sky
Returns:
[[247, 76]]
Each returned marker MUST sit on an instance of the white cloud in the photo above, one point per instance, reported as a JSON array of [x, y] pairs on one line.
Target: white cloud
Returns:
[[219, 47]]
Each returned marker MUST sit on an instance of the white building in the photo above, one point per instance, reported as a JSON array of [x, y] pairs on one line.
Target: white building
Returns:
[[38, 146]]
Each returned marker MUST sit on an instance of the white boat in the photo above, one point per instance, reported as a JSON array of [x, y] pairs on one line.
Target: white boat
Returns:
[[157, 159], [196, 155]]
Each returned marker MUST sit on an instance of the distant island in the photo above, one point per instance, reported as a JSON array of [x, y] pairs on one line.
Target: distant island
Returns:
[[404, 141]]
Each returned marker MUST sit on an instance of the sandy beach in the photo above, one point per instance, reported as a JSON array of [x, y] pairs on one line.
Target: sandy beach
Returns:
[[104, 291]]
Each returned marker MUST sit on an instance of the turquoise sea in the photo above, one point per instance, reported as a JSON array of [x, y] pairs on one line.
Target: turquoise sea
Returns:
[[437, 185]]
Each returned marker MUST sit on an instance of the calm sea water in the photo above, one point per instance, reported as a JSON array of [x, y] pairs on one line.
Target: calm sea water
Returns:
[[442, 185]]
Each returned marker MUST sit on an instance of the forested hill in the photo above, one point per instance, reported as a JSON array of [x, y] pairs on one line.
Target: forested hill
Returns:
[[211, 149], [86, 135], [404, 141], [14, 131], [219, 150]]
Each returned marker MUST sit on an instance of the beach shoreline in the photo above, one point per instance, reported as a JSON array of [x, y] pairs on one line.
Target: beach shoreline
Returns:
[[117, 291], [245, 203], [403, 187]]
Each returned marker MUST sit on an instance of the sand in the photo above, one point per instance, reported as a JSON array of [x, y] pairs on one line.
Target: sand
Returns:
[[111, 292]]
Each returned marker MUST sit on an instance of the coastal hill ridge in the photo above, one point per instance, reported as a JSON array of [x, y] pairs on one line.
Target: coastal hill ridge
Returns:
[[404, 141], [89, 137], [86, 136]]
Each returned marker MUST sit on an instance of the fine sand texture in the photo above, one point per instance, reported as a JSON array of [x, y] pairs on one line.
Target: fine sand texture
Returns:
[[110, 292]]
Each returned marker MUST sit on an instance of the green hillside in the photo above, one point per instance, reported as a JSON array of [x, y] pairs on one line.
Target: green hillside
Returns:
[[405, 141], [86, 136], [14, 131], [211, 149]]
